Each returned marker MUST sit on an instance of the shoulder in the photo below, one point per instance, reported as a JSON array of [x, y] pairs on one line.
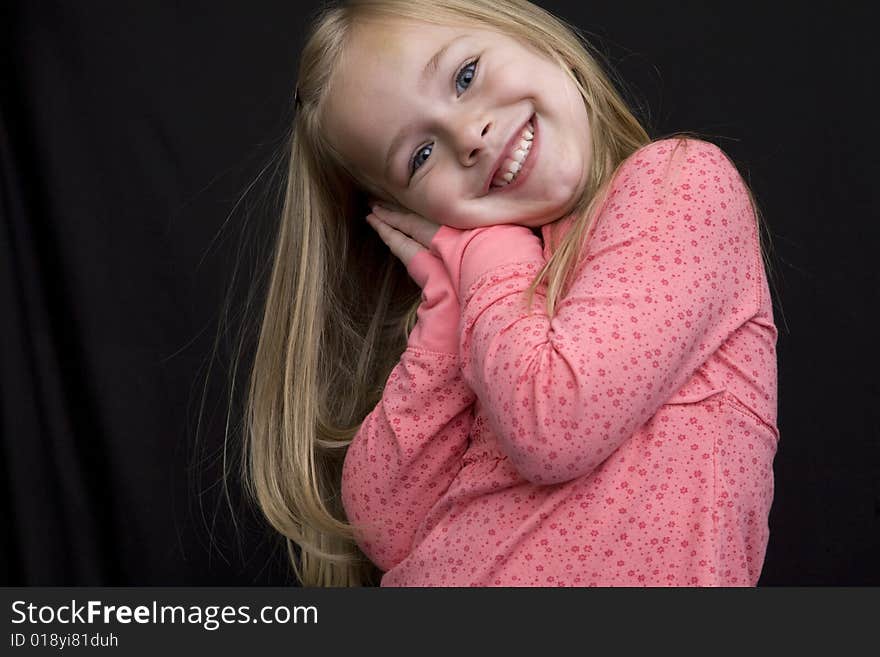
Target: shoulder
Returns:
[[681, 174], [665, 149], [683, 163], [677, 193]]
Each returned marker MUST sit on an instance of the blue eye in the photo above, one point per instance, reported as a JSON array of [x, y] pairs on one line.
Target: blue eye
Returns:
[[415, 164], [467, 67], [468, 72]]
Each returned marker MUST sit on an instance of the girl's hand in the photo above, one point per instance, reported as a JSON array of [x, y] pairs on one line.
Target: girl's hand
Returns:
[[465, 254], [405, 233]]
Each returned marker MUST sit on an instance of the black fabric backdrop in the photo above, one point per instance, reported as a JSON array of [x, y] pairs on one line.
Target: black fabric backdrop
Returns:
[[139, 155]]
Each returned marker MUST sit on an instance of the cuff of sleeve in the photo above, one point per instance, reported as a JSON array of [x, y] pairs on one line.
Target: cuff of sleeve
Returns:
[[420, 267], [438, 314], [468, 254]]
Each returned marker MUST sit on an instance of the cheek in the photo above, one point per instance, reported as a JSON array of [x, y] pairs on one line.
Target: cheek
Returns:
[[513, 77], [438, 206]]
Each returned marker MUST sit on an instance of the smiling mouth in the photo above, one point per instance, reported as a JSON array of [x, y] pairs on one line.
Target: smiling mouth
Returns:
[[517, 160]]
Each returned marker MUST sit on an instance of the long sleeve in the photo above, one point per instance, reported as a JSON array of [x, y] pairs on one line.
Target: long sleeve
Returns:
[[409, 448], [670, 272]]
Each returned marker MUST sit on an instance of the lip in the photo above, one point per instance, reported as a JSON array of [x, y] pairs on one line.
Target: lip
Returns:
[[529, 164]]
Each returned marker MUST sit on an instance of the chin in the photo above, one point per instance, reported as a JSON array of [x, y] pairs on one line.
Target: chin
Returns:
[[537, 222], [532, 222]]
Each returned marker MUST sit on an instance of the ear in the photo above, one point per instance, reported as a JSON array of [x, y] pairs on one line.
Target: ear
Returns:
[[394, 207], [385, 201], [372, 194]]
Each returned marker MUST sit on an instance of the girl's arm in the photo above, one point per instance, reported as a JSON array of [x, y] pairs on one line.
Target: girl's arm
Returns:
[[670, 273], [409, 448]]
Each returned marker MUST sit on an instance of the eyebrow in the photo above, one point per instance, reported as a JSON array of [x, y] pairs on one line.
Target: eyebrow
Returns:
[[430, 69]]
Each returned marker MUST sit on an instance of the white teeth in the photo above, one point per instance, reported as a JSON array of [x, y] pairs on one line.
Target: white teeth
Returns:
[[513, 163]]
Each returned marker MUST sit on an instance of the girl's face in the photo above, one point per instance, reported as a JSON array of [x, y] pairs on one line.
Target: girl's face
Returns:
[[434, 138]]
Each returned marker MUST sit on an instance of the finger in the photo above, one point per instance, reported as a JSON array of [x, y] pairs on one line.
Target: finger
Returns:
[[409, 223], [400, 244], [414, 225]]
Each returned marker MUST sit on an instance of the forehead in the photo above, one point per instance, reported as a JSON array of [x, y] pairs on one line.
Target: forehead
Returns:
[[394, 38], [374, 89], [381, 59]]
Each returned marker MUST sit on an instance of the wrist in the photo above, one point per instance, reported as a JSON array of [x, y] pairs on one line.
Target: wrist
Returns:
[[469, 254]]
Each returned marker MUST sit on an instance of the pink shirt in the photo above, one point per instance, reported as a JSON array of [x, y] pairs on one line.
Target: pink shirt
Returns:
[[627, 441]]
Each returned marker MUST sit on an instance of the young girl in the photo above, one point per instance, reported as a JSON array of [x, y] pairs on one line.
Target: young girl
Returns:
[[453, 432]]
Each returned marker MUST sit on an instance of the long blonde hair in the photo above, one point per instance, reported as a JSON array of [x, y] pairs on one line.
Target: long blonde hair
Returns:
[[339, 306]]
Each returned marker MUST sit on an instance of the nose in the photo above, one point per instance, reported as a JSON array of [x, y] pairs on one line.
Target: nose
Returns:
[[470, 139]]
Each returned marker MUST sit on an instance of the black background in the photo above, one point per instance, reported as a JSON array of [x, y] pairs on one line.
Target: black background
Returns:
[[139, 154]]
